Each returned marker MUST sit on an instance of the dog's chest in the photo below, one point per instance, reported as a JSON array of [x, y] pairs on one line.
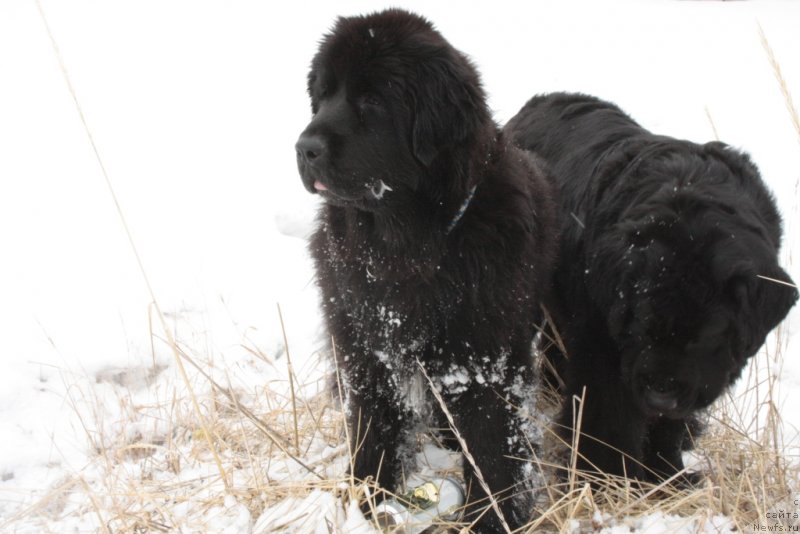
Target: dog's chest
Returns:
[[398, 318], [400, 344]]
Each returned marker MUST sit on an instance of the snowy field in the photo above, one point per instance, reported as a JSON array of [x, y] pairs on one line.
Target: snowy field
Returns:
[[194, 107]]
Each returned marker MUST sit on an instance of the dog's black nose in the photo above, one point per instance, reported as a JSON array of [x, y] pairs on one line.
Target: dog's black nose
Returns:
[[661, 401], [662, 392], [310, 147]]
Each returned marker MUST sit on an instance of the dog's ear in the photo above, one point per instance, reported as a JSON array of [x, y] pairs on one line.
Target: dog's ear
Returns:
[[740, 164], [763, 301], [448, 105]]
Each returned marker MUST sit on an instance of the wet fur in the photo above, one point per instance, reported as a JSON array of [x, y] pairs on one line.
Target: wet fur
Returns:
[[656, 293], [396, 104]]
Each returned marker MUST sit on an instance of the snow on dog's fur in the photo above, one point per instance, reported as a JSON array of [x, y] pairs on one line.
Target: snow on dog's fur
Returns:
[[413, 265]]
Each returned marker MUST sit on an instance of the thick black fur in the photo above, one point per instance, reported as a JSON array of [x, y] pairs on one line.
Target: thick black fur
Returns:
[[658, 294], [400, 135]]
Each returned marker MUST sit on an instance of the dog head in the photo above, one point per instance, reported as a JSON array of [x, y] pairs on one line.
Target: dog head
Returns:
[[389, 98], [698, 286]]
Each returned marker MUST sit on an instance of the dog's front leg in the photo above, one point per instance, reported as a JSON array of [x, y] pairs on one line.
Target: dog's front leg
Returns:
[[663, 451], [488, 429], [611, 427], [377, 426]]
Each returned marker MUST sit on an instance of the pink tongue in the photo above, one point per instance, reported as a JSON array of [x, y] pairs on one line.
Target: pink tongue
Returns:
[[319, 186]]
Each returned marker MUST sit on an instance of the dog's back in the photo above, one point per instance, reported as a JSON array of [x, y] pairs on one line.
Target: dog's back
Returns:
[[568, 130]]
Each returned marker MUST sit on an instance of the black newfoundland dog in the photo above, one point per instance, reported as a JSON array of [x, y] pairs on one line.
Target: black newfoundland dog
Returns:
[[433, 243], [668, 278]]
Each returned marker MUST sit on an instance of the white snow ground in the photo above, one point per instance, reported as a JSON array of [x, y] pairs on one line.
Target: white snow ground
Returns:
[[195, 107]]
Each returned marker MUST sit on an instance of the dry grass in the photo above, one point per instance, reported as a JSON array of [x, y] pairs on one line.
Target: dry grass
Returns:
[[168, 480]]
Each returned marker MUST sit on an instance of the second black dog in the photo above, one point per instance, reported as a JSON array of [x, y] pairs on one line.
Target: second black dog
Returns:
[[668, 278]]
